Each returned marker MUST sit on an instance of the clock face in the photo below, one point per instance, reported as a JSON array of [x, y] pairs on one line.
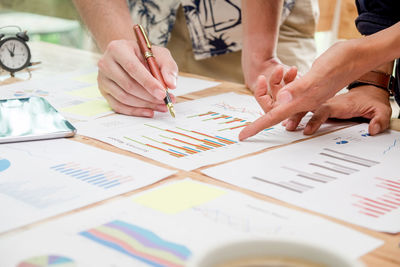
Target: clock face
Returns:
[[14, 54]]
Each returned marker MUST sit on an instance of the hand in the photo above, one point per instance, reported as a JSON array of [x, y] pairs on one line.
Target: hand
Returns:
[[330, 72], [266, 93], [126, 82], [254, 69], [367, 102]]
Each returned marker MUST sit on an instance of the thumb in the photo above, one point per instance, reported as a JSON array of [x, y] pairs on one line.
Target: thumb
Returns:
[[378, 124]]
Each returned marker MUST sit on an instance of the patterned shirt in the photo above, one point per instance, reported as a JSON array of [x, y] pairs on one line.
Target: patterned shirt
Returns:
[[214, 25]]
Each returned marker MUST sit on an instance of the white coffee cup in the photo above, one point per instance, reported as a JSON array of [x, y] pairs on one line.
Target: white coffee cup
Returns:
[[262, 248]]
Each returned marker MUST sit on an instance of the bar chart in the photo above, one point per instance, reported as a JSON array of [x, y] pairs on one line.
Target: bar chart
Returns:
[[180, 142], [384, 203], [324, 174], [204, 132], [92, 175]]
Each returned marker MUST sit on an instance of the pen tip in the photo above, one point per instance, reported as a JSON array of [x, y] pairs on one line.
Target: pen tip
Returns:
[[172, 112]]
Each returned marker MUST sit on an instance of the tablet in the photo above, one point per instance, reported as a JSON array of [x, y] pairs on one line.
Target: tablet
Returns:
[[31, 118]]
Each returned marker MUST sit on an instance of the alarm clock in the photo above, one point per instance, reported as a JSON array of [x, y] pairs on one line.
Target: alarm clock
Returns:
[[14, 52]]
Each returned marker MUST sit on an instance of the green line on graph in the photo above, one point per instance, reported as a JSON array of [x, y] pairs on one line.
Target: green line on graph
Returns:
[[130, 139], [154, 127]]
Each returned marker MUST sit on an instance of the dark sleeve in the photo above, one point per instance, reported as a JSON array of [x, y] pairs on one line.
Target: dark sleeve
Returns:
[[376, 15]]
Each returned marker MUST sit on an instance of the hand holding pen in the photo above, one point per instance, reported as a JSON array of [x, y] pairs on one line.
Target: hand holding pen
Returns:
[[145, 47], [126, 82]]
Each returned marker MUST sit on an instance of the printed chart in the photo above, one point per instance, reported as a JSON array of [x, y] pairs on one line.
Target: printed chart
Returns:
[[77, 96], [54, 176], [139, 243], [340, 175], [48, 261], [143, 230], [4, 164], [204, 132]]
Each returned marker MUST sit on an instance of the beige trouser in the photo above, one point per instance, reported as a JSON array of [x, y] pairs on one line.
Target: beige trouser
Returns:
[[296, 45]]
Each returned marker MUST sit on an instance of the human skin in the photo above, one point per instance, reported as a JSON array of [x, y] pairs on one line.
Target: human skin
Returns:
[[124, 79], [343, 63]]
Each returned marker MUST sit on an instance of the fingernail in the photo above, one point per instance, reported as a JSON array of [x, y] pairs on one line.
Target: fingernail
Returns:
[[375, 129], [159, 94], [284, 97], [290, 126], [307, 130]]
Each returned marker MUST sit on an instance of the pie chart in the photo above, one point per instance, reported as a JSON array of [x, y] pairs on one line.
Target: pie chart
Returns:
[[4, 164], [48, 260]]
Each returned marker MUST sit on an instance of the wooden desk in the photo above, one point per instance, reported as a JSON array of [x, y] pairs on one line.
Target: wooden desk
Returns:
[[61, 59]]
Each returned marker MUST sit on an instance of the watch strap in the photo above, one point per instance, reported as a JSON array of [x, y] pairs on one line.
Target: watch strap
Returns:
[[379, 79]]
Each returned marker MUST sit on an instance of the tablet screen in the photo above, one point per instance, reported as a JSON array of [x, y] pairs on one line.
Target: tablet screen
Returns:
[[31, 118]]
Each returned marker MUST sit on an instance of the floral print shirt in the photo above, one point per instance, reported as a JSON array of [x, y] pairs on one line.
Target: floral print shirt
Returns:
[[214, 25]]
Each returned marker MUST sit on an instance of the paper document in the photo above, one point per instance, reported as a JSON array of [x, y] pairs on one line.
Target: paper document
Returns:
[[127, 233], [44, 178], [76, 94], [347, 174], [204, 132]]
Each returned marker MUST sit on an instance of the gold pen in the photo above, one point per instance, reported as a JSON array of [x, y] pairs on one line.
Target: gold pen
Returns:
[[145, 47]]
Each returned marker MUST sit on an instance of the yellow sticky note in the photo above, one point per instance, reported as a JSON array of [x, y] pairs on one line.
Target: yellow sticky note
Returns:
[[90, 108], [176, 197], [87, 92], [87, 78]]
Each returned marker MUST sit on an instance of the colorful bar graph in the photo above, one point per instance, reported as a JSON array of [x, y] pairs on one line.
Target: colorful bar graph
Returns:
[[93, 176], [181, 145], [379, 205], [139, 243]]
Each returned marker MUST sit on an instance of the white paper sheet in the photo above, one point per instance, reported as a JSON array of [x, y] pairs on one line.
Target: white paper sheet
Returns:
[[44, 178], [186, 85], [76, 94], [346, 174], [204, 132], [137, 231]]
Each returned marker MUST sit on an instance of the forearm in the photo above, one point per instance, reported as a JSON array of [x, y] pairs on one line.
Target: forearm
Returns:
[[260, 28], [107, 20], [347, 61], [380, 49]]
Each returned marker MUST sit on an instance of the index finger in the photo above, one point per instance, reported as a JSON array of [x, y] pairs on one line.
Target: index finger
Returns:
[[273, 117], [135, 68]]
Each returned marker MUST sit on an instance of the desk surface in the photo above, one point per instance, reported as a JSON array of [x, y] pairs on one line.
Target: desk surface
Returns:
[[72, 59]]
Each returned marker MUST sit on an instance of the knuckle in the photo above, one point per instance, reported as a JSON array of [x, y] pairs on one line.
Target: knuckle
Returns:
[[132, 68], [113, 45]]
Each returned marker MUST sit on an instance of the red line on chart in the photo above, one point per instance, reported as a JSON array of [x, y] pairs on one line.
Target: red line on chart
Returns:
[[240, 126], [187, 150], [369, 209], [198, 146], [169, 152], [387, 180], [374, 201], [204, 141], [233, 120], [389, 201], [219, 139], [388, 188], [375, 206], [369, 214]]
